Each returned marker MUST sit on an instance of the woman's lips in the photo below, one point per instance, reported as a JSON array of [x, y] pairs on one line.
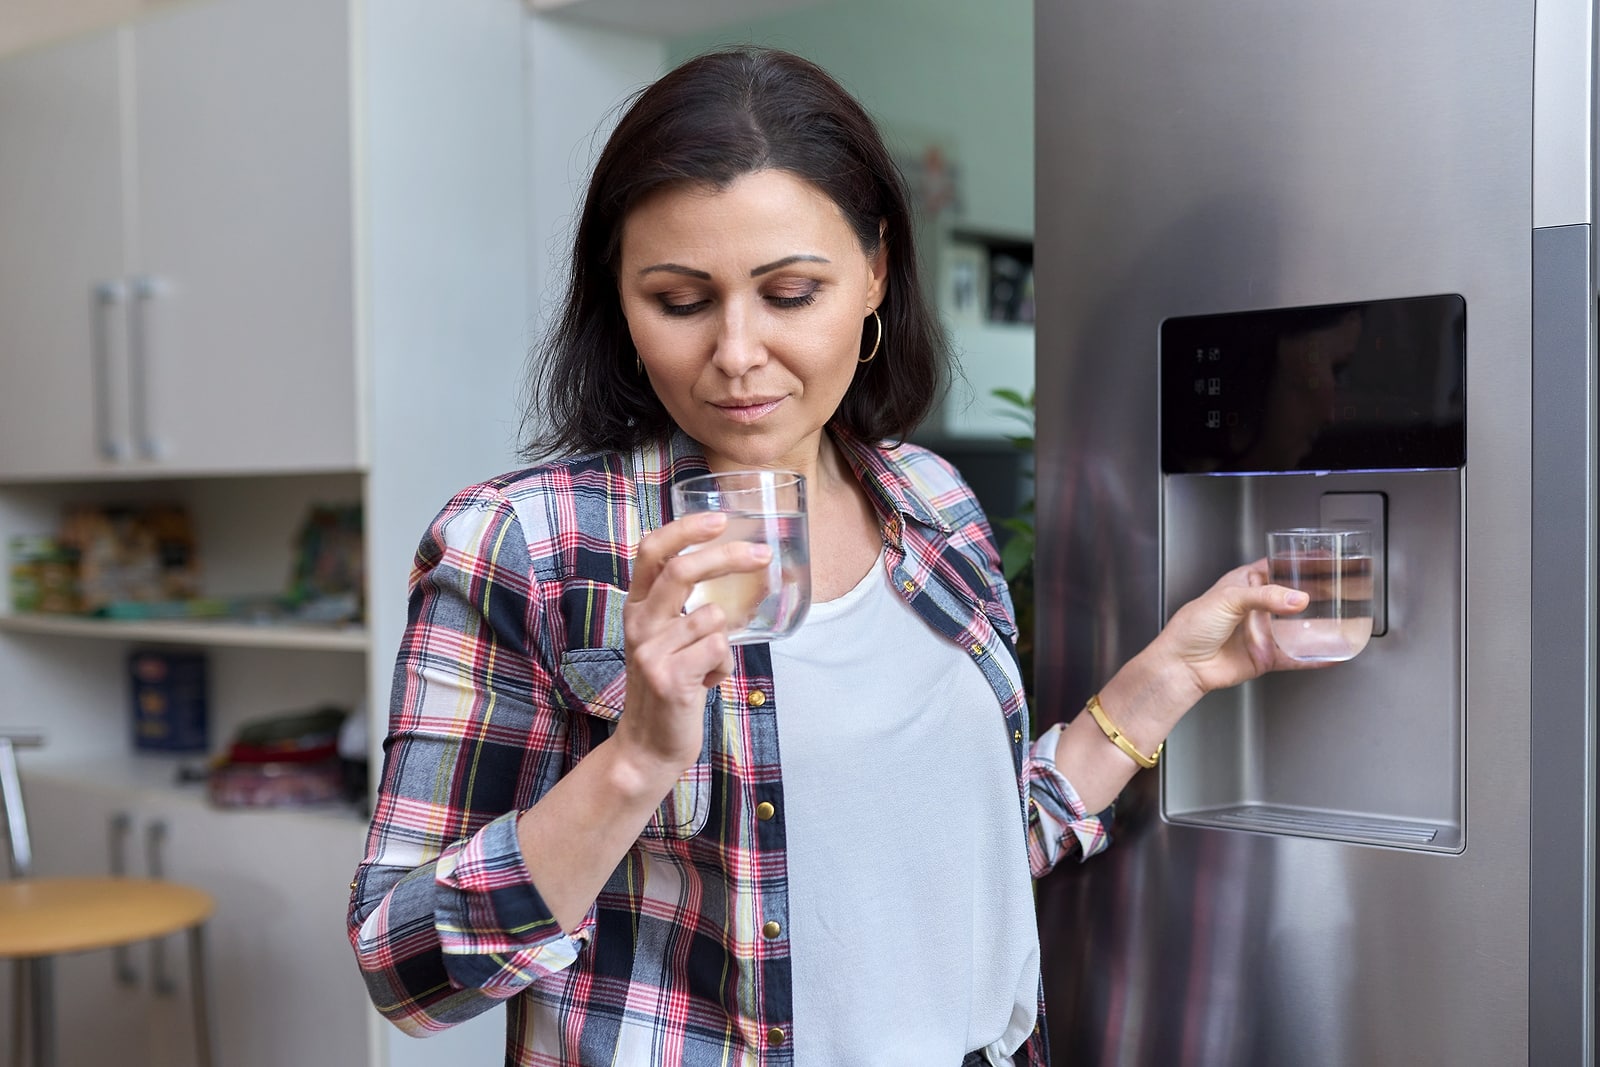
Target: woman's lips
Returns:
[[747, 410]]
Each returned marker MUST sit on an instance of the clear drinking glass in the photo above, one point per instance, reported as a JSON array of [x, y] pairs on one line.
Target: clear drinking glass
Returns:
[[764, 507], [1333, 566]]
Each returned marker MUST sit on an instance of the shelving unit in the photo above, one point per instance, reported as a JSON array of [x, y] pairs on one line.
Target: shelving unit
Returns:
[[152, 780], [197, 633], [325, 300]]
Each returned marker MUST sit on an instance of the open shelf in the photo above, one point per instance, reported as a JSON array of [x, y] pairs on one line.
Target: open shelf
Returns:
[[205, 633], [150, 778]]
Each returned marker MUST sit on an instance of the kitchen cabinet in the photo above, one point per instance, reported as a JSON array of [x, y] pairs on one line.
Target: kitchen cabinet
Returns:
[[304, 1002], [177, 274], [257, 255], [244, 288], [61, 256], [326, 230], [101, 998]]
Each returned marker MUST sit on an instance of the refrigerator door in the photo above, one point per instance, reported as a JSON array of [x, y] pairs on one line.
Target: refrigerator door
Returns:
[[1229, 155]]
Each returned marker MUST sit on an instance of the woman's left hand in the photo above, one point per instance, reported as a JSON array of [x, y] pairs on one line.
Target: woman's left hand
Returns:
[[1223, 637]]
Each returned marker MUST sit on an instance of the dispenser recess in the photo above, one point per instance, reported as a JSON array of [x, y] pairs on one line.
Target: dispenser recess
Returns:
[[1302, 417]]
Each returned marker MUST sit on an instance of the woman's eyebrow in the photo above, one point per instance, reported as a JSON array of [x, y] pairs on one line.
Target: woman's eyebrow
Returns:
[[785, 261], [765, 268], [675, 268]]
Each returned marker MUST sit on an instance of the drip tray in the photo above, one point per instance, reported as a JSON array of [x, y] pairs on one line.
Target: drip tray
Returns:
[[1342, 826]]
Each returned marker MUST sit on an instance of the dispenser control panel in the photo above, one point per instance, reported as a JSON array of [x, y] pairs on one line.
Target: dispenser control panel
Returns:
[[1372, 386]]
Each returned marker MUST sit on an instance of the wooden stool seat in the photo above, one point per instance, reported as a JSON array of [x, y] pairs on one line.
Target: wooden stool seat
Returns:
[[41, 918], [54, 916]]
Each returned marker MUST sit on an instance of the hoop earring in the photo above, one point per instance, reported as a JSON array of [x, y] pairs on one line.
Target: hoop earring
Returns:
[[870, 356]]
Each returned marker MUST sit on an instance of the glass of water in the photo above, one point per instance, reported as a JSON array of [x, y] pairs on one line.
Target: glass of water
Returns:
[[1333, 566], [764, 507]]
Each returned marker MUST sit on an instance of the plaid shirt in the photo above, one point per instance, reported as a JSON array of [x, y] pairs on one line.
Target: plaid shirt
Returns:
[[511, 670]]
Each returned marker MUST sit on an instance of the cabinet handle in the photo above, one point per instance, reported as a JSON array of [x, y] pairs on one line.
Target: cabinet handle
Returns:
[[121, 957], [155, 835], [145, 290], [107, 296], [121, 827]]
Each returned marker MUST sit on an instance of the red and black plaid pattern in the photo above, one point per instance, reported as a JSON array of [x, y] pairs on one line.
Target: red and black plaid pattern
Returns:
[[511, 669]]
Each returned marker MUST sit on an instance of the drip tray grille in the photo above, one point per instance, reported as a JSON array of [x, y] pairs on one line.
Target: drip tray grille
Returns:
[[1318, 824]]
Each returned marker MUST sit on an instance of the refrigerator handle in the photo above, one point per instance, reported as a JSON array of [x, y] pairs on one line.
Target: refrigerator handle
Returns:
[[108, 296]]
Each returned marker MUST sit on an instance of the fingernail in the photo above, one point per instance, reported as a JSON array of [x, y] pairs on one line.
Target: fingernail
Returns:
[[712, 520], [1297, 599], [761, 553]]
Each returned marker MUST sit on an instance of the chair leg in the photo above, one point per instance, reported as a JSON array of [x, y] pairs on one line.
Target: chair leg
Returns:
[[199, 996], [19, 1011], [44, 1023]]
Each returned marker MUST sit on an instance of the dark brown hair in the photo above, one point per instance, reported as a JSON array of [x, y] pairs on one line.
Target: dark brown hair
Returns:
[[711, 120]]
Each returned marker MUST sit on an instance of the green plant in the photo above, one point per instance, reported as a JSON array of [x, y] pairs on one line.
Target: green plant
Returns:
[[1016, 555]]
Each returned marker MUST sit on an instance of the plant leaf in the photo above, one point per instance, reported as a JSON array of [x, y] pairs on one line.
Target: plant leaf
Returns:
[[1017, 554], [1011, 396]]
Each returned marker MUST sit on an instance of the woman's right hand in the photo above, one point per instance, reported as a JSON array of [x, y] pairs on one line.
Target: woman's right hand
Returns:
[[673, 657]]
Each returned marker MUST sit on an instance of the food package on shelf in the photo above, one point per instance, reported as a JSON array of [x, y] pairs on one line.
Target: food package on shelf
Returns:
[[43, 575], [132, 553], [168, 695]]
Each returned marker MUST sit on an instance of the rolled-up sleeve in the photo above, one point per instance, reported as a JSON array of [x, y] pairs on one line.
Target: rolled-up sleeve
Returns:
[[1058, 822], [444, 918]]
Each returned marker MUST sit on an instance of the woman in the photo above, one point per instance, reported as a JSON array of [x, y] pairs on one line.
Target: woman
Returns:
[[586, 810]]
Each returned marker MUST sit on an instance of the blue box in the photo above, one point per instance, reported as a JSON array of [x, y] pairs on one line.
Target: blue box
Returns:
[[168, 701]]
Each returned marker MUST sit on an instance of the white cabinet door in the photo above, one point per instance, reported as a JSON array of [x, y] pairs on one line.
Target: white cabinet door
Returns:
[[243, 302], [62, 396], [284, 984], [101, 998]]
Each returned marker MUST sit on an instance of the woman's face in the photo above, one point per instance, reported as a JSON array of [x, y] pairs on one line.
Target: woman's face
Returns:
[[746, 307]]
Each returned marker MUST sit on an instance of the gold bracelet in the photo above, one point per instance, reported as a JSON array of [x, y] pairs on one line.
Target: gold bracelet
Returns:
[[1116, 738]]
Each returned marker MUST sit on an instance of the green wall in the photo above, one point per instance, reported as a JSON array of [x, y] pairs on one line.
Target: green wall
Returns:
[[957, 73]]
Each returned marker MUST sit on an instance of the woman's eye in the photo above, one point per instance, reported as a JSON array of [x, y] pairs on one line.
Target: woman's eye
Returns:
[[688, 308], [795, 301]]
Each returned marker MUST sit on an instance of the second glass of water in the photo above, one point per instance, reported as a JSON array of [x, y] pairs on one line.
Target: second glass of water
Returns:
[[1334, 568], [763, 507]]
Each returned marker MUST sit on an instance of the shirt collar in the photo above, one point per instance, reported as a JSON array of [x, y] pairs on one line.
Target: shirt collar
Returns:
[[892, 493]]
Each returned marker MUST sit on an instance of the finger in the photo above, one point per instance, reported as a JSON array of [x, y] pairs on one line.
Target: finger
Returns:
[[666, 543], [663, 657], [682, 573], [663, 647], [1258, 633], [1241, 575], [1275, 599], [694, 652], [1288, 600], [717, 645]]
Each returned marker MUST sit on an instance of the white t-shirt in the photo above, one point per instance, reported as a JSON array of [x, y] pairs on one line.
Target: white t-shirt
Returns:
[[911, 920]]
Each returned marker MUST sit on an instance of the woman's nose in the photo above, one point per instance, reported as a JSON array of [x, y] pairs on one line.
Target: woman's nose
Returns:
[[739, 348]]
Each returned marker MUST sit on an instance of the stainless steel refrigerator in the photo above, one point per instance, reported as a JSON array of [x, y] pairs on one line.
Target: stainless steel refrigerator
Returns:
[[1298, 261]]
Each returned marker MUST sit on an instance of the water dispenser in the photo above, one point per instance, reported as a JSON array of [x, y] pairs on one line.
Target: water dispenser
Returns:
[[1324, 416]]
